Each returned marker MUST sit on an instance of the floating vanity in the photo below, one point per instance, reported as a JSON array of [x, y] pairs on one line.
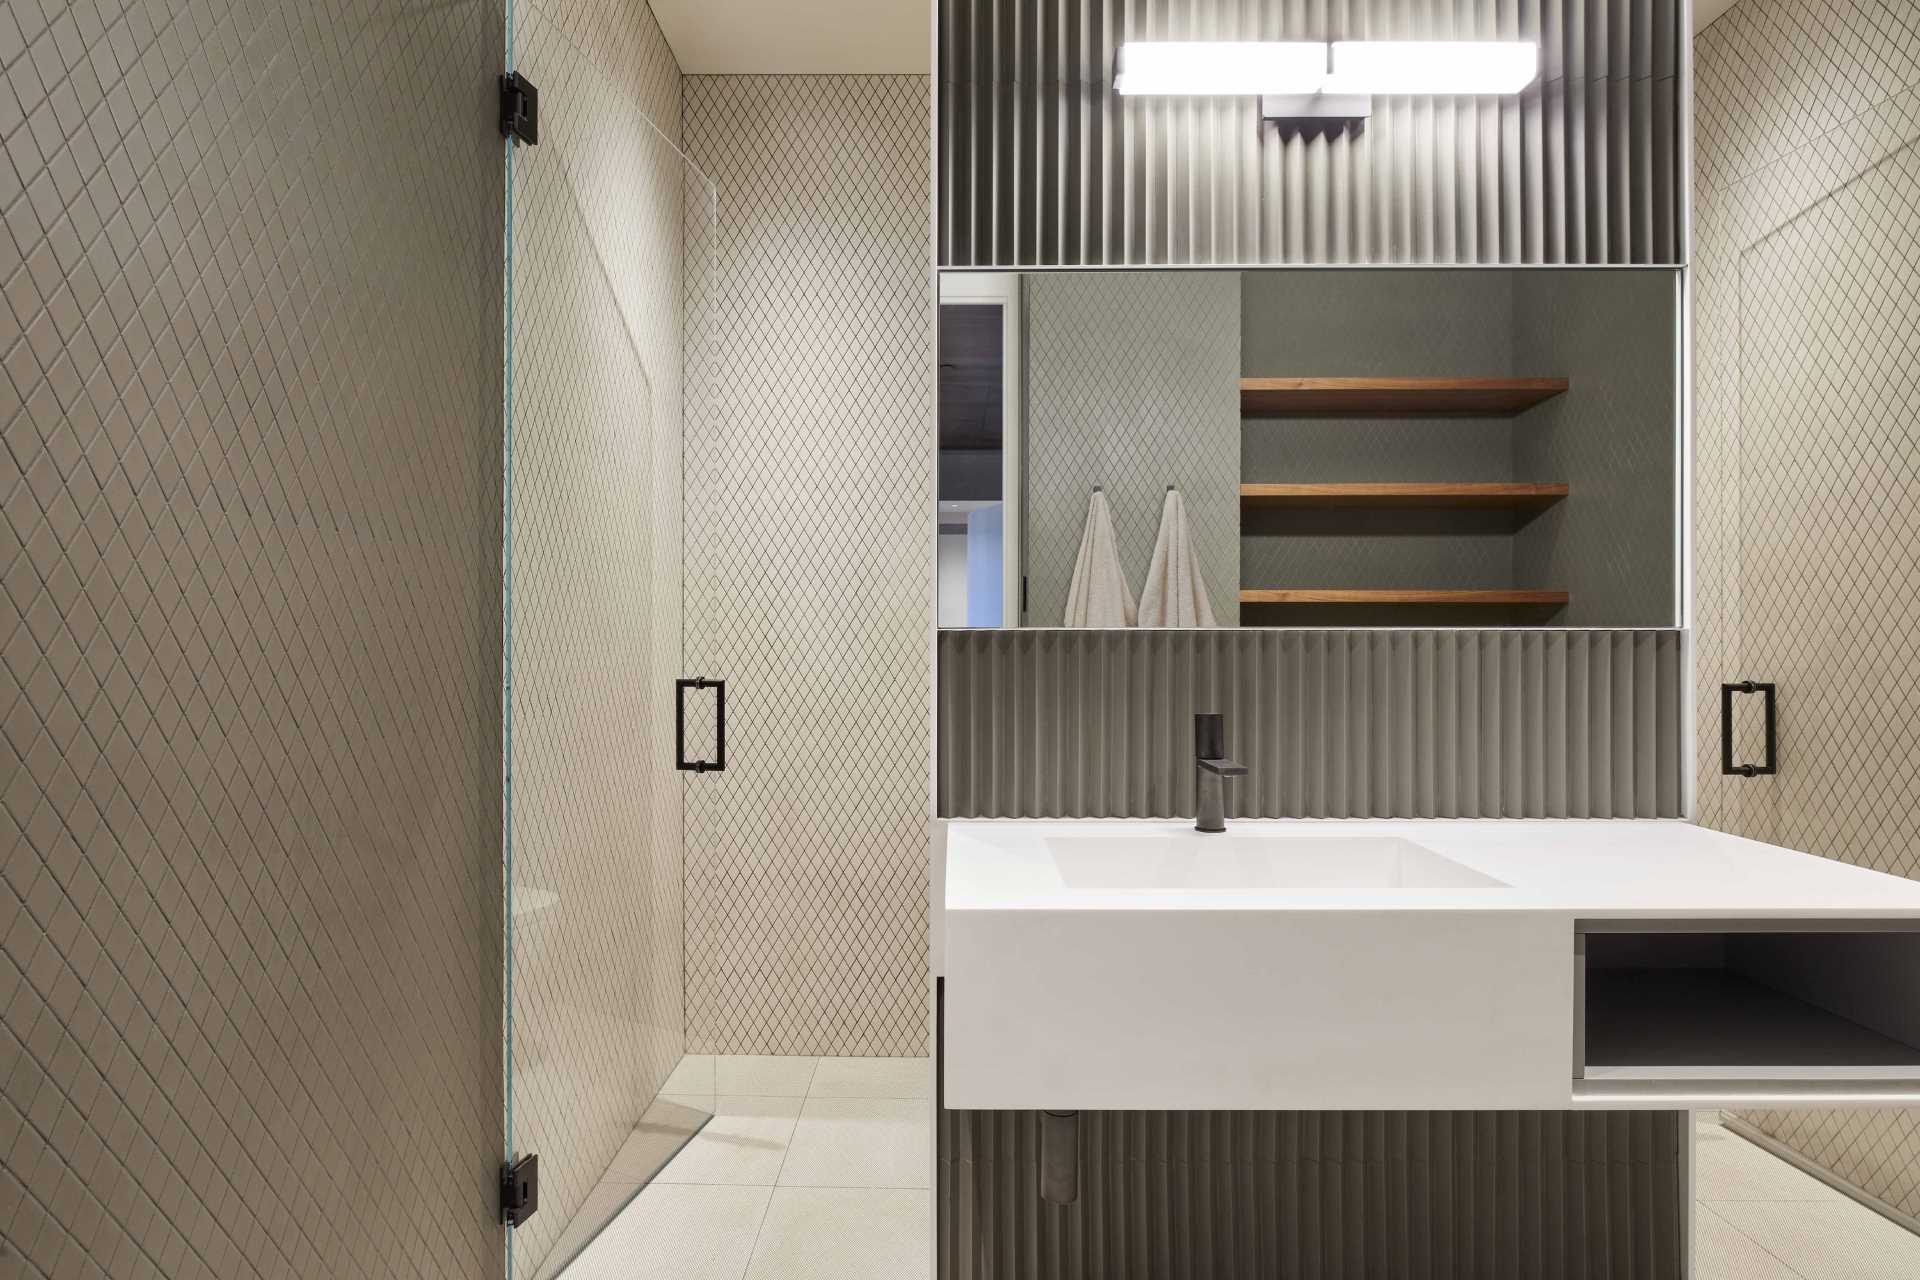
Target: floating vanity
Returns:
[[1302, 965]]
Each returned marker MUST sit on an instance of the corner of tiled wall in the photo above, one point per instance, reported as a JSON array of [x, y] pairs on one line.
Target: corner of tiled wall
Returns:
[[599, 264], [1806, 473], [249, 640], [809, 518]]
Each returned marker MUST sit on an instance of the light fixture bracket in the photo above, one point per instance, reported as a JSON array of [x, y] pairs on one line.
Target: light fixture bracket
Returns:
[[1316, 106]]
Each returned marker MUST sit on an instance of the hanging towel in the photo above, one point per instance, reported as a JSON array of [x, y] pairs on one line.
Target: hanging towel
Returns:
[[1099, 596], [1175, 593]]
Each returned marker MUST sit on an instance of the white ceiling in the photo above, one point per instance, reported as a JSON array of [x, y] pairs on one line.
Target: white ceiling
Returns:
[[798, 37], [822, 37]]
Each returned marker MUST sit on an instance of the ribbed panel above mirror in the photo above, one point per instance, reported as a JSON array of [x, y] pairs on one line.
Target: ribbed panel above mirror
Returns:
[[1330, 724], [1043, 164]]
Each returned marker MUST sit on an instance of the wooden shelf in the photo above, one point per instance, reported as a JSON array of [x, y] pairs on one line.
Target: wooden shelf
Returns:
[[1393, 397], [1401, 495], [1320, 595]]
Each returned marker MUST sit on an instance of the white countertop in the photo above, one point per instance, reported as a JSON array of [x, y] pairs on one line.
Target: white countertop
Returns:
[[1323, 965], [1582, 868]]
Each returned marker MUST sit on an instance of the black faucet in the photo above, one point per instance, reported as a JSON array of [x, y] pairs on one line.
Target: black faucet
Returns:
[[1211, 769]]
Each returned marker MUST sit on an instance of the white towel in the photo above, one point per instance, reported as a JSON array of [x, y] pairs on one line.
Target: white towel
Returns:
[[1175, 593], [1099, 596]]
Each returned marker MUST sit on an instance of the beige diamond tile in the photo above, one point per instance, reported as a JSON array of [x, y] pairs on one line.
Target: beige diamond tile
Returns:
[[1807, 466], [809, 502]]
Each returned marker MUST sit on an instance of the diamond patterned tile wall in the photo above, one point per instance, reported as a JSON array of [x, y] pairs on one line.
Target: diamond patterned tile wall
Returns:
[[808, 587], [249, 640], [1807, 189], [1132, 383], [595, 595]]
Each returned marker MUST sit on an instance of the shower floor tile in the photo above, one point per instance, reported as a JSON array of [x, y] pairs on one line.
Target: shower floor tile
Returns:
[[831, 1182], [854, 1134], [677, 1233], [818, 1233], [1760, 1218]]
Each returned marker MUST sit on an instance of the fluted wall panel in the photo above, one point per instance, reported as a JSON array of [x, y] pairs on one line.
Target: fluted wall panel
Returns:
[[1331, 724], [1043, 164], [1283, 1194]]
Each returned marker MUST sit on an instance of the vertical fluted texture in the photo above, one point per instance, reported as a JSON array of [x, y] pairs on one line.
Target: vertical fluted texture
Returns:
[[1041, 163], [1217, 1195], [1331, 724]]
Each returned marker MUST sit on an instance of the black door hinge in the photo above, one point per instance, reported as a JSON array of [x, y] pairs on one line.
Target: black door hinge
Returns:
[[519, 1190], [519, 108]]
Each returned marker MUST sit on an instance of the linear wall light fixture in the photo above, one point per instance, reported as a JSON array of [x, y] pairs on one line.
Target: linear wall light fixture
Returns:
[[1317, 80], [1432, 66], [1215, 68]]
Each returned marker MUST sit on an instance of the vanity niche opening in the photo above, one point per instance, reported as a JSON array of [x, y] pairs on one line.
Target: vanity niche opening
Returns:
[[1748, 1000]]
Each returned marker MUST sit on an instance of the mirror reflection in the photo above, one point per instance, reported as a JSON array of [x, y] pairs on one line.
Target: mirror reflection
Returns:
[[1380, 447]]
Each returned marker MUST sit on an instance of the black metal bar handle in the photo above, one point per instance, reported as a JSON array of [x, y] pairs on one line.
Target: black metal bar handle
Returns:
[[719, 762], [1771, 759]]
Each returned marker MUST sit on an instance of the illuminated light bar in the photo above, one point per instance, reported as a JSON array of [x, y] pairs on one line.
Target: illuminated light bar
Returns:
[[1215, 68], [1432, 66]]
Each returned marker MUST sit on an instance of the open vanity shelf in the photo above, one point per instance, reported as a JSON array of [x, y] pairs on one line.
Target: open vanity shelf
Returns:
[[1393, 397], [1785, 1001]]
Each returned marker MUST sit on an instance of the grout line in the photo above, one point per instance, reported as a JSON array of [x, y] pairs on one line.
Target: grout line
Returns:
[[791, 1139], [741, 1186], [753, 1250], [1731, 1225], [759, 1228]]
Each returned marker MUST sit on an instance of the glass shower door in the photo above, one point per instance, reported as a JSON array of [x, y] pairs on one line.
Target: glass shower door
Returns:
[[601, 215]]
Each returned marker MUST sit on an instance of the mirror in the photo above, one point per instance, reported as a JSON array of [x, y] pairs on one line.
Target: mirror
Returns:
[[1310, 447]]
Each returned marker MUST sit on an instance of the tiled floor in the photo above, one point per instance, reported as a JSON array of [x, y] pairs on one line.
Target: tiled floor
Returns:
[[810, 1168], [1759, 1218], [817, 1167]]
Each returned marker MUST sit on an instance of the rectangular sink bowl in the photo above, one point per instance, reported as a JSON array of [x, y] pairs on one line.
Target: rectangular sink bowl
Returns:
[[1273, 966], [1228, 861]]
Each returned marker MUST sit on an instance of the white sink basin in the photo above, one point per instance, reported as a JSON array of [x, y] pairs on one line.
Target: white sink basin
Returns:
[[1275, 966], [1306, 965], [1192, 861]]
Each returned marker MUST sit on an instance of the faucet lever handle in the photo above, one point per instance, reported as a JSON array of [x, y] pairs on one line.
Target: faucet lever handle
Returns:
[[1209, 735]]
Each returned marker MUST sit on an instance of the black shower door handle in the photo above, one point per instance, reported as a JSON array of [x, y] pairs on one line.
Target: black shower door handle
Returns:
[[1726, 729], [719, 762]]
